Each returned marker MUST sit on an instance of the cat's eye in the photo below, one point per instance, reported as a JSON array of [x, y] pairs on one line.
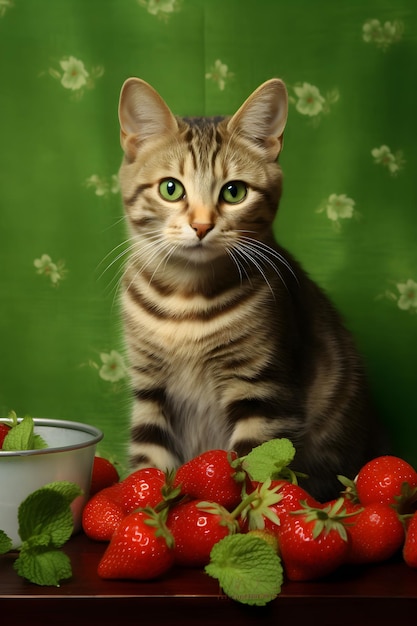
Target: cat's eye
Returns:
[[233, 192], [171, 189]]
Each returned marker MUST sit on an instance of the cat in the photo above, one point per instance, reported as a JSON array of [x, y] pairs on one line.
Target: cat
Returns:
[[230, 342]]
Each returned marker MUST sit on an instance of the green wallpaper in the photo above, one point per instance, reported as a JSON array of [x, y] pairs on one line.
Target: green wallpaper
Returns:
[[350, 194]]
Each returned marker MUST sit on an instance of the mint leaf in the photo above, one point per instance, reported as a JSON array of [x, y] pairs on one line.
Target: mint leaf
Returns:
[[22, 437], [47, 512], [5, 542], [269, 459], [247, 568], [43, 566]]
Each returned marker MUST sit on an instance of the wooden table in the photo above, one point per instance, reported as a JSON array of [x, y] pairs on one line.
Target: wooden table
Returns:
[[377, 594]]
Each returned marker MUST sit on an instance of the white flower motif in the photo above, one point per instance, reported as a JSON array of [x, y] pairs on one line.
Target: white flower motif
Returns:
[[113, 368], [102, 187], [408, 295], [55, 271], [386, 158], [382, 35], [219, 74], [114, 184], [160, 8], [99, 184], [339, 207], [75, 75], [310, 101], [4, 6]]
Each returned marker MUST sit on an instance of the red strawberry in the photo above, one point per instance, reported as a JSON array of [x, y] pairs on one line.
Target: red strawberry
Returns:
[[387, 479], [196, 526], [139, 549], [104, 475], [410, 544], [4, 429], [210, 476], [103, 513], [376, 533], [275, 500], [313, 542], [142, 488]]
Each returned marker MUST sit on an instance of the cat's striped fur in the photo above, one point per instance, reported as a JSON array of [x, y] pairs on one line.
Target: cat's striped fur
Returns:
[[230, 342]]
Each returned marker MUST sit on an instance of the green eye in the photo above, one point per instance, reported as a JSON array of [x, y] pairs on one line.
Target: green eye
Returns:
[[234, 192], [171, 189]]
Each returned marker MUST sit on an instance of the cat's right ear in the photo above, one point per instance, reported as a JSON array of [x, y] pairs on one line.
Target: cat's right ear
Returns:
[[142, 114]]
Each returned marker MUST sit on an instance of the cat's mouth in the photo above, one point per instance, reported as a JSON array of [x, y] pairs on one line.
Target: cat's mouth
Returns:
[[201, 250]]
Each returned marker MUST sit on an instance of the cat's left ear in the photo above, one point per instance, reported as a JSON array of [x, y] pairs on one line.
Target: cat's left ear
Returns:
[[262, 117]]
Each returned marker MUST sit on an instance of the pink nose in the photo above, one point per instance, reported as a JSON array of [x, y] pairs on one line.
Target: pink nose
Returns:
[[201, 229]]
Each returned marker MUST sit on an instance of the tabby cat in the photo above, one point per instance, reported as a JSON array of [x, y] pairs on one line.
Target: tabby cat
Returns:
[[230, 342]]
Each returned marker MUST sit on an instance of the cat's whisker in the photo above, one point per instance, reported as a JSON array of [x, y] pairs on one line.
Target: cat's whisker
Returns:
[[164, 260], [242, 271], [272, 252], [126, 242], [263, 258], [247, 254]]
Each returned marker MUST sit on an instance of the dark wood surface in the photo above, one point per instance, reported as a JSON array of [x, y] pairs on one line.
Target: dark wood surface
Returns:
[[377, 594]]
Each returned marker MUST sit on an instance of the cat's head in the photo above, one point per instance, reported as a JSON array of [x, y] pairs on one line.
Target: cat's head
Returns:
[[197, 187]]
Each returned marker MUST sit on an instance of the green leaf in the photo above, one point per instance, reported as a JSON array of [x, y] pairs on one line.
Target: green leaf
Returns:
[[247, 568], [5, 542], [43, 566], [22, 437], [47, 512], [269, 459]]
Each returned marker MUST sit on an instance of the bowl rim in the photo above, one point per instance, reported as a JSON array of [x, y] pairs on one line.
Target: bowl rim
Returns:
[[96, 436]]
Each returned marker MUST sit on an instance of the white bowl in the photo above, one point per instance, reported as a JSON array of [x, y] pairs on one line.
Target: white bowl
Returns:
[[68, 457]]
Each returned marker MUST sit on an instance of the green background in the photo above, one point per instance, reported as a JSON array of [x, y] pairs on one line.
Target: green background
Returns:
[[60, 152]]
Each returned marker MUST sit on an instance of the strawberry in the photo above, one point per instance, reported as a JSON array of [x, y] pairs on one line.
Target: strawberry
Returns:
[[410, 544], [104, 474], [387, 479], [4, 429], [376, 533], [140, 548], [313, 542], [103, 513], [142, 488], [196, 526], [211, 476], [280, 497]]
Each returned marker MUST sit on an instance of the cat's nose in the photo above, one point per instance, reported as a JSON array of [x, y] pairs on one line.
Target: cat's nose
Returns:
[[201, 229]]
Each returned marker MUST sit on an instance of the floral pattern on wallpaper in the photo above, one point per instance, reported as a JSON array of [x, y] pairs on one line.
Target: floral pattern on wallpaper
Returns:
[[310, 102], [393, 162], [103, 186], [74, 76], [382, 35], [54, 272], [338, 207], [5, 5], [111, 367], [404, 295], [161, 9], [219, 74]]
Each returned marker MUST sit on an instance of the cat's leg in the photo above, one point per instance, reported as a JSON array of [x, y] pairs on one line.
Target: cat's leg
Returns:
[[152, 443]]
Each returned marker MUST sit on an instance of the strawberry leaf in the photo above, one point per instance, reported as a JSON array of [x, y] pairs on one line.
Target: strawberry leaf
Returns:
[[22, 437], [247, 568], [5, 542], [43, 565], [46, 512], [269, 459]]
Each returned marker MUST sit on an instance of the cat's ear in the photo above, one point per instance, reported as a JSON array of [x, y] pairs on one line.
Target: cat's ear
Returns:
[[142, 114], [262, 117]]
